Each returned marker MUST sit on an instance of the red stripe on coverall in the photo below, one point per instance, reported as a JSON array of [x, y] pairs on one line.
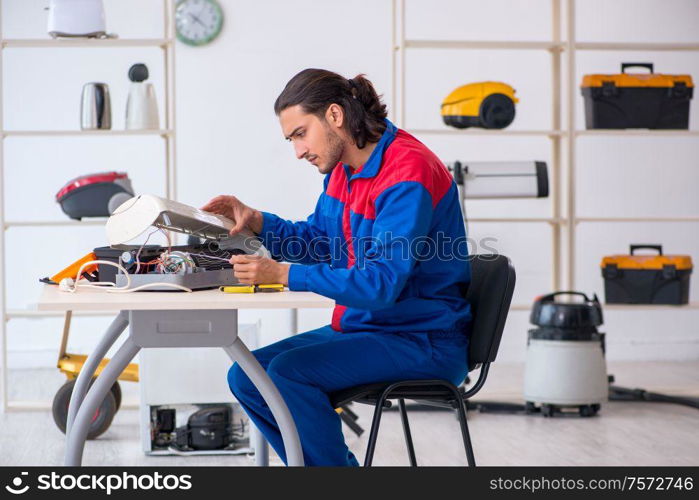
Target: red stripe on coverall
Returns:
[[351, 259]]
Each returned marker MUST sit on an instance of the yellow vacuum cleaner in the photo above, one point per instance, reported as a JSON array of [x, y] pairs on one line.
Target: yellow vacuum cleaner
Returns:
[[484, 104]]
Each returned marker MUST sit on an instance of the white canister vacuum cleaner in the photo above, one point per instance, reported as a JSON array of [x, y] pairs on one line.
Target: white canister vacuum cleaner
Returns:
[[565, 371], [565, 366]]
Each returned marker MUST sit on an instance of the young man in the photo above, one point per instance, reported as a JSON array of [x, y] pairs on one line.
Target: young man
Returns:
[[386, 242]]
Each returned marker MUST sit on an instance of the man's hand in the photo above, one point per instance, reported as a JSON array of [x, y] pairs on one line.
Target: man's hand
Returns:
[[256, 270], [242, 215]]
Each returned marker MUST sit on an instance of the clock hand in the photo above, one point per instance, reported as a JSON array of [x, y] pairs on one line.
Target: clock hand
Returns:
[[199, 14], [196, 19]]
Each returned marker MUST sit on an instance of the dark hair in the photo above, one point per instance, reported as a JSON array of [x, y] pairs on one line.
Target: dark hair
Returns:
[[316, 89]]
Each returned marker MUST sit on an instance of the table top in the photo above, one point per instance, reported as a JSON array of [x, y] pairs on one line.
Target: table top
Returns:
[[52, 299]]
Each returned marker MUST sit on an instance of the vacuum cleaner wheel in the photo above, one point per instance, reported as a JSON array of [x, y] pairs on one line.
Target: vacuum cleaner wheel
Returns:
[[497, 111]]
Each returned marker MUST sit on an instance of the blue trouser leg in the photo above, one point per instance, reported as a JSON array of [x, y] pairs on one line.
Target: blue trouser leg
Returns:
[[308, 366], [251, 400]]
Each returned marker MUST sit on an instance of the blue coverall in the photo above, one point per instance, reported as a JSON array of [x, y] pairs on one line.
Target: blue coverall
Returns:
[[387, 243]]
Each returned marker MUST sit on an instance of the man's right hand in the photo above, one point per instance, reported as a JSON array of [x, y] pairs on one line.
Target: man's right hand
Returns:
[[242, 215]]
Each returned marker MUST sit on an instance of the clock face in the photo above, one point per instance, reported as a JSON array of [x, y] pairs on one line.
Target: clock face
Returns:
[[198, 22]]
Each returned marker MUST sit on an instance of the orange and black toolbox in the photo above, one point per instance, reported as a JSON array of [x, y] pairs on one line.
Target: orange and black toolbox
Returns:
[[637, 100], [646, 279]]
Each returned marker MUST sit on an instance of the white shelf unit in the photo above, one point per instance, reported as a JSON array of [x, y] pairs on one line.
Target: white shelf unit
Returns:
[[90, 43], [556, 133], [167, 44], [572, 46], [59, 133], [563, 222]]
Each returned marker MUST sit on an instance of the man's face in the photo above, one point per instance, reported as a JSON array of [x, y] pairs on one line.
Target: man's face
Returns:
[[313, 138]]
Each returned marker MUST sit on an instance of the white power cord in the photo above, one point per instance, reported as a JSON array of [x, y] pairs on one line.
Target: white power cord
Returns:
[[71, 285]]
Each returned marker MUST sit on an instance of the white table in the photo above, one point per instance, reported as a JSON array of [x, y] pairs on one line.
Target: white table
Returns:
[[170, 319]]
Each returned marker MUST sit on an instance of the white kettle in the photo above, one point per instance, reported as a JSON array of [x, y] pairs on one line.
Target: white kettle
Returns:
[[141, 105], [76, 18]]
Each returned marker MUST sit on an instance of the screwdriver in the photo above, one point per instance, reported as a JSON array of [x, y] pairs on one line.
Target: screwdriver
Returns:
[[269, 288]]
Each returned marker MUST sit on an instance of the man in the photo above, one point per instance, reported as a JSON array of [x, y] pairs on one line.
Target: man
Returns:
[[386, 242]]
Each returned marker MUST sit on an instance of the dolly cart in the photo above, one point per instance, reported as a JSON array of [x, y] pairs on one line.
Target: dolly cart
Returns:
[[70, 365]]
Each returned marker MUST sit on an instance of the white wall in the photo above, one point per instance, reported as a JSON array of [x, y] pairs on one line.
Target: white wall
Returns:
[[228, 139]]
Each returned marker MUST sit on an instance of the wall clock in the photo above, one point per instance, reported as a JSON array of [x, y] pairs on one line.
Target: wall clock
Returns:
[[198, 22]]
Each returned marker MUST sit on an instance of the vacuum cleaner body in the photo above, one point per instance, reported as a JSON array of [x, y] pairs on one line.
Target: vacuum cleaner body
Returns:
[[565, 364], [565, 372], [94, 195], [489, 105]]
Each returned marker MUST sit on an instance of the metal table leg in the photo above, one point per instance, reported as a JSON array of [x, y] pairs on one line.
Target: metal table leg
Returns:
[[103, 384], [239, 353], [259, 443], [115, 329]]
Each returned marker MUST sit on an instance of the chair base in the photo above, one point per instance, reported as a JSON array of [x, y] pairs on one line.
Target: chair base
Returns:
[[437, 392]]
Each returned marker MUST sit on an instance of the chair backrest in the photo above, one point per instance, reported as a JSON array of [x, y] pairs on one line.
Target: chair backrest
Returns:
[[490, 295]]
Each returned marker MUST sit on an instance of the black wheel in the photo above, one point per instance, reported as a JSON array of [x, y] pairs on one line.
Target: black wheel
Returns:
[[547, 410], [586, 411], [497, 111], [116, 392], [595, 408], [529, 407], [101, 420]]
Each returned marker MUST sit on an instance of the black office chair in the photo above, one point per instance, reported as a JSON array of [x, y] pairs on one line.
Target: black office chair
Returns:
[[490, 294]]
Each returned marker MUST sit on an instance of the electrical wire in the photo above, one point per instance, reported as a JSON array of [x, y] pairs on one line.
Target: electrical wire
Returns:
[[150, 285], [167, 237], [123, 289], [175, 263], [213, 257], [138, 254]]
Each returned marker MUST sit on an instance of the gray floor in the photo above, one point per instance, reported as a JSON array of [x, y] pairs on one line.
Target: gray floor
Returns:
[[623, 433]]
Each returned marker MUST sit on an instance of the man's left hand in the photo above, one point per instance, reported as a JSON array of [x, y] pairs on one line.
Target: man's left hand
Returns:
[[256, 270]]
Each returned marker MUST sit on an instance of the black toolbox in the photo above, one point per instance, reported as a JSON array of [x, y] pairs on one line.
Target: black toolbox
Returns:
[[637, 100], [646, 279]]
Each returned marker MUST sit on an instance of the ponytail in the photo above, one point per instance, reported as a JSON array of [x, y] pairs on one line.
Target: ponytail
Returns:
[[316, 89]]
